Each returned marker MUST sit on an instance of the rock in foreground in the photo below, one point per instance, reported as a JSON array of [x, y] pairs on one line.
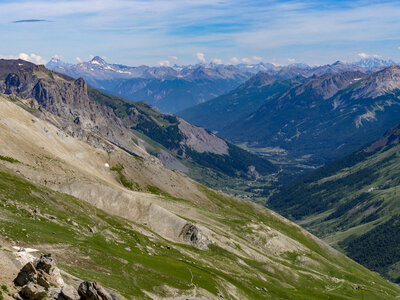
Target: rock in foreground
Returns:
[[41, 279]]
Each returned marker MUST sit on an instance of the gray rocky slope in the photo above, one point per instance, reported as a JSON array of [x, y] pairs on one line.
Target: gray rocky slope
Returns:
[[93, 117]]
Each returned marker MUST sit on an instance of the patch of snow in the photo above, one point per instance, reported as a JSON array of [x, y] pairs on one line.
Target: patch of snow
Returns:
[[95, 62], [124, 72], [23, 254]]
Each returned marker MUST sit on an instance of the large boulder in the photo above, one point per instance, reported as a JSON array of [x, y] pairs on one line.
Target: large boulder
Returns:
[[93, 291], [68, 292], [42, 279], [33, 291], [47, 265], [27, 274]]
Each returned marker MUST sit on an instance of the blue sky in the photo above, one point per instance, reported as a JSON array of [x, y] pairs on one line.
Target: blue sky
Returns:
[[188, 31]]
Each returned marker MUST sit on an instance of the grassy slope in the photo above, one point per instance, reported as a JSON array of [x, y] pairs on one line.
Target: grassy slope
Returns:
[[162, 132], [151, 262], [353, 203]]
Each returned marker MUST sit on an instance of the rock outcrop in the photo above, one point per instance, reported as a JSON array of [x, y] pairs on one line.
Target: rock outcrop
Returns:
[[41, 279], [191, 234], [93, 291], [42, 271]]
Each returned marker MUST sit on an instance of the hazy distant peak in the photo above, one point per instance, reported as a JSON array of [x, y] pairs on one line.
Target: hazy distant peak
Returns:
[[98, 60], [374, 62]]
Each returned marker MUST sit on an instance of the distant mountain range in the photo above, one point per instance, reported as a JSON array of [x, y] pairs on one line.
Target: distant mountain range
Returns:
[[315, 119], [239, 103], [168, 88], [175, 88]]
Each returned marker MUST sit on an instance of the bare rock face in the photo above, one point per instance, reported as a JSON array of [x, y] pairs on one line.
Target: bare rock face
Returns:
[[48, 270], [27, 274], [200, 140], [68, 100], [378, 84], [324, 86], [192, 235], [33, 291], [93, 291], [68, 293]]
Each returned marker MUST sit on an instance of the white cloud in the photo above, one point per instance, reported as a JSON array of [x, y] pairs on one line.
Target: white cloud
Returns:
[[246, 60], [217, 61], [257, 58], [398, 47], [365, 55], [306, 22], [173, 57], [235, 60], [201, 57], [78, 59], [34, 58], [164, 63], [291, 60], [56, 56]]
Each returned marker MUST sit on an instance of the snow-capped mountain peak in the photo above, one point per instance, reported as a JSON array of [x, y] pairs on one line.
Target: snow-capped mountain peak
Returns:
[[97, 60]]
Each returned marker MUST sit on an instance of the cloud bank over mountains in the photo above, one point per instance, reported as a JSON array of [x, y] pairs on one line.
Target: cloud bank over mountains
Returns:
[[147, 32], [36, 59]]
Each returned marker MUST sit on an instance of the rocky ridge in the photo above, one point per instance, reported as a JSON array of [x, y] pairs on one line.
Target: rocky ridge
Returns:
[[324, 117], [41, 279], [168, 88], [104, 121]]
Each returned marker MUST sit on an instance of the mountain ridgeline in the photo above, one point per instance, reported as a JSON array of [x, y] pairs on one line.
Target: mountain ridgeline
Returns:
[[238, 103], [314, 120], [169, 89], [175, 88]]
